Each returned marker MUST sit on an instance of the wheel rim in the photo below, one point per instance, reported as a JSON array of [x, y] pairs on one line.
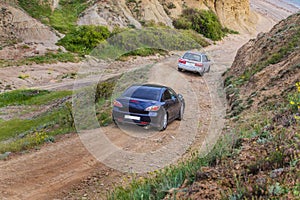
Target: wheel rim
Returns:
[[165, 121], [181, 112]]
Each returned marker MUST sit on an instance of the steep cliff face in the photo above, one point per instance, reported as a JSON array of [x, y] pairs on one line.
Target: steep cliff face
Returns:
[[266, 68], [232, 13]]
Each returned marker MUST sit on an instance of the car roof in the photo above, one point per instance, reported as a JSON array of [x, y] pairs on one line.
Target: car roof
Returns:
[[149, 85], [194, 52]]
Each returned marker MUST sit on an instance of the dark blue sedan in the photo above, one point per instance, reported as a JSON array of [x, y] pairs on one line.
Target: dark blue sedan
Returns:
[[148, 105]]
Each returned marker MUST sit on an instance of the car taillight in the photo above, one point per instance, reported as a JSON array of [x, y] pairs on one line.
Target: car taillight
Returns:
[[117, 104], [198, 64], [152, 108], [182, 61]]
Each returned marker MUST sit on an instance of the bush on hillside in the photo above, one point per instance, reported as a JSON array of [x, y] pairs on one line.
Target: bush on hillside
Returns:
[[205, 22], [83, 39]]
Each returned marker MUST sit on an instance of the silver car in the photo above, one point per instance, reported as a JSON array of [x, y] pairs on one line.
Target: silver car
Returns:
[[194, 62]]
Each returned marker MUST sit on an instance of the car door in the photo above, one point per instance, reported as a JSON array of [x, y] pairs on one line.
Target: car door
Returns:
[[175, 103], [205, 62], [169, 103]]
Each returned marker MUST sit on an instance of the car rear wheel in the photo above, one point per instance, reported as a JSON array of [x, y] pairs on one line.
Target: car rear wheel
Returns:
[[201, 73], [179, 69], [164, 121], [208, 69]]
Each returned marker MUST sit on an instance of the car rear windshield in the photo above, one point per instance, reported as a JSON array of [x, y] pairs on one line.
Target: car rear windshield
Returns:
[[192, 56], [143, 92]]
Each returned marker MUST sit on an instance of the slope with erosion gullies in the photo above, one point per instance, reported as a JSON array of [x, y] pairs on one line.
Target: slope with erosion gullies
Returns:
[[233, 14], [258, 154], [23, 35], [265, 69]]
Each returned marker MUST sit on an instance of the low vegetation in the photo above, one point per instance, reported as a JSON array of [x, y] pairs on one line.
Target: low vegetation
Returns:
[[24, 133], [83, 39], [63, 18], [205, 22], [148, 38], [48, 58], [30, 97]]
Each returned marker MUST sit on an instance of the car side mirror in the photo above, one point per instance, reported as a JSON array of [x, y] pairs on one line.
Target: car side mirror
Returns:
[[180, 96]]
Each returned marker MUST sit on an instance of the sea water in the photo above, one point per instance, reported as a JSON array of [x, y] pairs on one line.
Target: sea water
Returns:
[[294, 2]]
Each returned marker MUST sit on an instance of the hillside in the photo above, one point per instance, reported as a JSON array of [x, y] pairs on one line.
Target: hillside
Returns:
[[261, 159], [17, 26], [266, 69], [233, 14]]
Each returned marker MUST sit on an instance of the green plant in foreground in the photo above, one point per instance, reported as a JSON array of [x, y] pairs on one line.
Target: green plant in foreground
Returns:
[[294, 100]]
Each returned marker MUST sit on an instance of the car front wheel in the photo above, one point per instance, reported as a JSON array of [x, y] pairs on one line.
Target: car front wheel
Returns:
[[180, 115], [164, 121]]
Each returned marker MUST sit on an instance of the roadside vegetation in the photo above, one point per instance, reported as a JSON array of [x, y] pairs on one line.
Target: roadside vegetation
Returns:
[[133, 41], [22, 132], [205, 22], [48, 58]]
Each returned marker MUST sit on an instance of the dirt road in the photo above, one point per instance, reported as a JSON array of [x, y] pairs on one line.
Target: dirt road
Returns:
[[67, 169]]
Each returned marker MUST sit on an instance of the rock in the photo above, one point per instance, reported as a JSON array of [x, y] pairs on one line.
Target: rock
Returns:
[[276, 172], [5, 155], [202, 176]]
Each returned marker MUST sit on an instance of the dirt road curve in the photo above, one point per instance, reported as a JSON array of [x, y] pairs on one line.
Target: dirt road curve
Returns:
[[53, 171]]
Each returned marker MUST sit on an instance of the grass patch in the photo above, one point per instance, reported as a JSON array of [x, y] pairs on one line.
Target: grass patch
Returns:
[[63, 18], [20, 127], [142, 41], [37, 9], [48, 58], [83, 39], [30, 97], [143, 52]]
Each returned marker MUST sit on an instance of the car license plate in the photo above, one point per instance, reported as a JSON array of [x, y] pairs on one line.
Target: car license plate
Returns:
[[132, 117]]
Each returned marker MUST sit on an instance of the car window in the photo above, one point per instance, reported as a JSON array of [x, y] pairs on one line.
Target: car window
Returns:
[[147, 93], [173, 94], [192, 56], [166, 96], [204, 58]]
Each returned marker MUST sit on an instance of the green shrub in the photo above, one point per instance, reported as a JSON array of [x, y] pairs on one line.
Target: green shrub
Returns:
[[182, 23], [205, 22], [84, 38]]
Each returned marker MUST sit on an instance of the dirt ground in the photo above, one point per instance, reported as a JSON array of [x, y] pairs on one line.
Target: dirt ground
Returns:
[[70, 168]]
